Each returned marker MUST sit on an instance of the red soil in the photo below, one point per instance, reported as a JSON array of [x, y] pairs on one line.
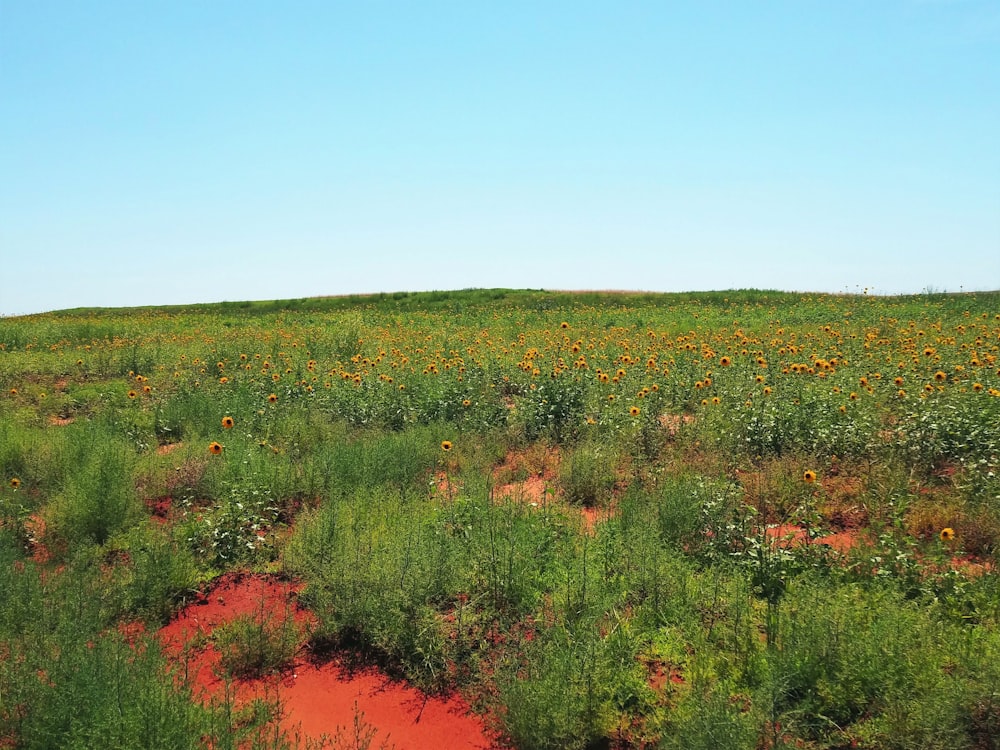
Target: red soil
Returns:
[[316, 699], [789, 535]]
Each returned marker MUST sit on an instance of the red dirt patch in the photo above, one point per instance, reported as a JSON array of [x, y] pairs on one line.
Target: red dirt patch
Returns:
[[316, 699], [672, 422], [789, 535]]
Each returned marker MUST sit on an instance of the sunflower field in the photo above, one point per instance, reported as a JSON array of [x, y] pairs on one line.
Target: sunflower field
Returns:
[[745, 519]]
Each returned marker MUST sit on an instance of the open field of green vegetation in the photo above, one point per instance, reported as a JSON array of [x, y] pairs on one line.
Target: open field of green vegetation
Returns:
[[743, 519]]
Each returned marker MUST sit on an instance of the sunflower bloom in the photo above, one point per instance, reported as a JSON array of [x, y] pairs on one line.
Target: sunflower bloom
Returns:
[[132, 394], [446, 445], [214, 448], [15, 482], [272, 398], [634, 411], [227, 423], [947, 534], [809, 476]]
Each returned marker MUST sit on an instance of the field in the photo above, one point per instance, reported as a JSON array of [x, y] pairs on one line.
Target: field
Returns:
[[745, 519]]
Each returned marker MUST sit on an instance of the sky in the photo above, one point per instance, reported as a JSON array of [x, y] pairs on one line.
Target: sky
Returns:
[[182, 152]]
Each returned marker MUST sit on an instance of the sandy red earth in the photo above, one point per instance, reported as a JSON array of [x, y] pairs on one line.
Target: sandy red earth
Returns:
[[316, 698]]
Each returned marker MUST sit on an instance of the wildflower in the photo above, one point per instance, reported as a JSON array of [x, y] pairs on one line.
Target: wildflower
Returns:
[[13, 391], [15, 482], [214, 448], [947, 534], [564, 324], [977, 387], [223, 380], [227, 423], [940, 375], [716, 400], [767, 390], [725, 361], [809, 476], [272, 398], [446, 445], [634, 411], [132, 394], [147, 389], [466, 403]]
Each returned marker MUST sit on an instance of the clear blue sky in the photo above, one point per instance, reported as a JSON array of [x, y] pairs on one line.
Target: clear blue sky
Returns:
[[158, 153]]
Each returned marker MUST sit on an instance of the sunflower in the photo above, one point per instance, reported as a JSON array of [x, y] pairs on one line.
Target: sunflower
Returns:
[[227, 423], [725, 361], [947, 534], [13, 391], [214, 448], [446, 445], [809, 476], [716, 400], [564, 324], [940, 375], [466, 403], [767, 390], [634, 411], [272, 398], [977, 387], [147, 389], [15, 482], [132, 394]]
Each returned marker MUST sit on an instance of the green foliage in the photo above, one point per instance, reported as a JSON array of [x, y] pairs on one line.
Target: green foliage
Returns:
[[98, 499], [588, 474], [257, 644]]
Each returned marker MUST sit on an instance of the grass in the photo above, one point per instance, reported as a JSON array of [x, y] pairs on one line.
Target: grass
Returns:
[[697, 424]]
